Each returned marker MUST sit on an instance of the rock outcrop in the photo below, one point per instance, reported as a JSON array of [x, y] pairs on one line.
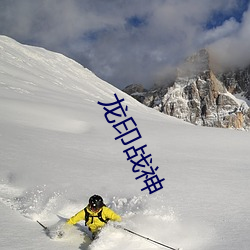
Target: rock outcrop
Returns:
[[199, 96]]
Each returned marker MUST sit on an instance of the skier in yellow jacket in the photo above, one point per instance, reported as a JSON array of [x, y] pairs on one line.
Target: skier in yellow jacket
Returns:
[[96, 215]]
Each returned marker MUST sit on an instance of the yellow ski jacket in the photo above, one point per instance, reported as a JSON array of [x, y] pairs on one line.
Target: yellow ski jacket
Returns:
[[94, 223]]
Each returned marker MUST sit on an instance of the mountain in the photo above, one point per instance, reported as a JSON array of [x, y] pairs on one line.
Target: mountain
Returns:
[[237, 81], [202, 97], [57, 149]]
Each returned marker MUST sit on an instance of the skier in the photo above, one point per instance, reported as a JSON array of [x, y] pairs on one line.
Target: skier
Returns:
[[95, 214]]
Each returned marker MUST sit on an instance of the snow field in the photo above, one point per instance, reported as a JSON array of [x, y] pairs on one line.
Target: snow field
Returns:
[[57, 149]]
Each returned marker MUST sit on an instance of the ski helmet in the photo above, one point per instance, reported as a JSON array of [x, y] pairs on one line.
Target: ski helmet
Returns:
[[95, 202]]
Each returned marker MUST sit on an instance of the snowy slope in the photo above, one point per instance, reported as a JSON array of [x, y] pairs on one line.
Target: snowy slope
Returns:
[[57, 149]]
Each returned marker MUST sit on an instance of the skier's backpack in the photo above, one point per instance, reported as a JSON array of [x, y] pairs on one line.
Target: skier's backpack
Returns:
[[87, 217]]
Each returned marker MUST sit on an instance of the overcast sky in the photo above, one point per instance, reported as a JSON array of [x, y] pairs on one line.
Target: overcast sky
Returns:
[[131, 41]]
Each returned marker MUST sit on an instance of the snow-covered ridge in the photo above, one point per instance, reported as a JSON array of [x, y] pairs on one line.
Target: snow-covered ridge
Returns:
[[35, 67], [35, 74]]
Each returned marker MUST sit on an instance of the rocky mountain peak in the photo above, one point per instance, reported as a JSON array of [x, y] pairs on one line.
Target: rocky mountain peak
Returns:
[[200, 96]]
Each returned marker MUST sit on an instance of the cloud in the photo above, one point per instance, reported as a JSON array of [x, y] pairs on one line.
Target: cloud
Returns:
[[126, 42], [228, 28], [233, 49]]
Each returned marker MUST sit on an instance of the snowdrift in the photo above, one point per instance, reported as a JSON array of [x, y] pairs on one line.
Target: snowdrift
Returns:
[[57, 149]]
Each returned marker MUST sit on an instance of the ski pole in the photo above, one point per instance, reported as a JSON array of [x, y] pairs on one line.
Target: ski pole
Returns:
[[150, 239], [45, 228]]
